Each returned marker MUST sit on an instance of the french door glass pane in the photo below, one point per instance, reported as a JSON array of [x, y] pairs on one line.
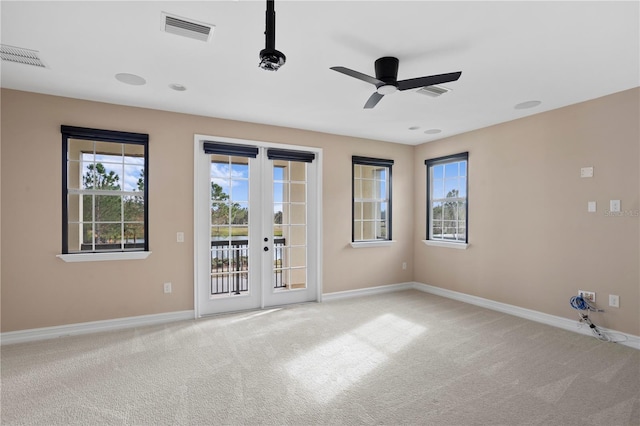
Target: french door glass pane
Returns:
[[298, 214], [298, 192], [229, 210], [290, 225], [298, 235]]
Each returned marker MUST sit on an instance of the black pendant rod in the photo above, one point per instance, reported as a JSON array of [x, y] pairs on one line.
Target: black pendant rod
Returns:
[[270, 58], [270, 32]]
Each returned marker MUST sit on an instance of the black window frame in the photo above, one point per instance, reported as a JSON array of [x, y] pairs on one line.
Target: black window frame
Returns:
[[454, 158], [99, 135], [378, 162]]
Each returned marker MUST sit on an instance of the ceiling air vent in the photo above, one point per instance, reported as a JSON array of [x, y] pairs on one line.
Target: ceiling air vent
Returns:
[[433, 91], [186, 27], [21, 56]]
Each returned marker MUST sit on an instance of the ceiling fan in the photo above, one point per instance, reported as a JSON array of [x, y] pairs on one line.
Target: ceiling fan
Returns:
[[386, 79]]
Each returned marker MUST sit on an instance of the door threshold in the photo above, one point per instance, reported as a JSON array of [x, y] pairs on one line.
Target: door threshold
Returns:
[[258, 311]]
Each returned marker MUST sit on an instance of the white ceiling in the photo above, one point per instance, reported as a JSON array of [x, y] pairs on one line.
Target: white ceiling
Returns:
[[559, 53]]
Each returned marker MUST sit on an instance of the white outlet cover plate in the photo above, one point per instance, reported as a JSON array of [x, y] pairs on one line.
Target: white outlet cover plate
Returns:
[[591, 206], [586, 172], [589, 295], [614, 205]]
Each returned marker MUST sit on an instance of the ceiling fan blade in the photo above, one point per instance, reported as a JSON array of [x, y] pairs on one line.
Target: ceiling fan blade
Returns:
[[373, 100], [414, 83], [358, 75]]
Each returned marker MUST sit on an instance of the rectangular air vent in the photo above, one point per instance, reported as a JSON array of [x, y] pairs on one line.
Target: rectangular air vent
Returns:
[[433, 91], [186, 27], [21, 56]]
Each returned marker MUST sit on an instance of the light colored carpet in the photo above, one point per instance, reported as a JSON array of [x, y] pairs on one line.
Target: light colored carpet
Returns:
[[398, 358]]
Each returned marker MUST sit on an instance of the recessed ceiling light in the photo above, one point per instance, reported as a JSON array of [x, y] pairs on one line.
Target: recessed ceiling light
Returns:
[[177, 87], [433, 131], [527, 105], [414, 127], [134, 80]]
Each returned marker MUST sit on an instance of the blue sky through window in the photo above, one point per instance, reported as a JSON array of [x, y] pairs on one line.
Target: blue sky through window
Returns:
[[234, 180], [129, 170]]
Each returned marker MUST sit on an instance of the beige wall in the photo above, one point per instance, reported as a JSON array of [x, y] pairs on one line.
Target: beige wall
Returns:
[[532, 242], [40, 290]]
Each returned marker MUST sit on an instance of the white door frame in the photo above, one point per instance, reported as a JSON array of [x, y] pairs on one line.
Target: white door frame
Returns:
[[202, 168]]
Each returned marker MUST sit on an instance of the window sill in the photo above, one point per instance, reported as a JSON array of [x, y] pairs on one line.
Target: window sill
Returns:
[[97, 257], [447, 244], [367, 244]]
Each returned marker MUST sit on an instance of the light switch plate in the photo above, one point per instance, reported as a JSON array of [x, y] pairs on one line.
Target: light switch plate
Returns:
[[180, 237], [614, 205], [591, 206], [614, 300]]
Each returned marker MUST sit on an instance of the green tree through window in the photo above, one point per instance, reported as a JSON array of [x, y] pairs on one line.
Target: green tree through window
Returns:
[[225, 212], [102, 208]]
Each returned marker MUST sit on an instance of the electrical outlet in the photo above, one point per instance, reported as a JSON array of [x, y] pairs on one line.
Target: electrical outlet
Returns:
[[180, 237], [167, 287], [404, 265], [588, 295], [586, 172]]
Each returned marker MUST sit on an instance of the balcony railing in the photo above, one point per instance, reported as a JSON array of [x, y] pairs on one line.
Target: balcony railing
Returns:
[[230, 266]]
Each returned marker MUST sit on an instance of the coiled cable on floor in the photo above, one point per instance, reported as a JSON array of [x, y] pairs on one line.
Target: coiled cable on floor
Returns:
[[581, 304]]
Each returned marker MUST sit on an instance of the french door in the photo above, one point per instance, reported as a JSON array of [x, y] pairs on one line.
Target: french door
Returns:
[[256, 225]]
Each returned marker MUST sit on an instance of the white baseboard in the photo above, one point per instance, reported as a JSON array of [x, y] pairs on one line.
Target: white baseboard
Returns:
[[122, 323], [91, 327], [327, 297], [552, 320]]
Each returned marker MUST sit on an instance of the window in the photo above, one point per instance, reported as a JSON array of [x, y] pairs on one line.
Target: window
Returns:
[[104, 191], [371, 199], [447, 182]]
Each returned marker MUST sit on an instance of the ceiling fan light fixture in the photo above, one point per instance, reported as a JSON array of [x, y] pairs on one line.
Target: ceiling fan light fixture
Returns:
[[386, 89]]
